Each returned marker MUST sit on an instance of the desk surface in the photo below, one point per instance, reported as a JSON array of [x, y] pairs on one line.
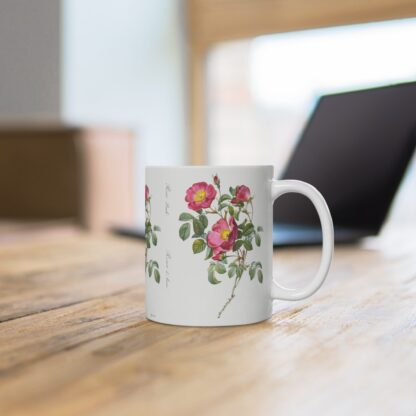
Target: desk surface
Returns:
[[74, 339]]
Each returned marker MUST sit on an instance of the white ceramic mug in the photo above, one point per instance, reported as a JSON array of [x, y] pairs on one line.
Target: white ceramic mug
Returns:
[[209, 244]]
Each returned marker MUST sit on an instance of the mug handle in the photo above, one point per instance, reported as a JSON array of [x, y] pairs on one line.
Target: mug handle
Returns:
[[279, 188]]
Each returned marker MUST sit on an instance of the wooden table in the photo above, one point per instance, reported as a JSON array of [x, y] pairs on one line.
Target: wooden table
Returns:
[[74, 339]]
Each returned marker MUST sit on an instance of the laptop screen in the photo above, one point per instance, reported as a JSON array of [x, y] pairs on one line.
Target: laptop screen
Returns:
[[354, 149]]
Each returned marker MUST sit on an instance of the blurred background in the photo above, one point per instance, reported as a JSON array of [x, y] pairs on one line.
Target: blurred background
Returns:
[[92, 91]]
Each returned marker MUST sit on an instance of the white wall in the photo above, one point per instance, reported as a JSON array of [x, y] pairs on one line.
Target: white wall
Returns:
[[123, 64], [105, 62], [29, 59]]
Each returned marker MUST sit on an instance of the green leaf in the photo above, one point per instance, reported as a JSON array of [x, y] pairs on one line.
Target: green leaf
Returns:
[[232, 270], [211, 277], [247, 244], [185, 216], [220, 268], [260, 275], [147, 241], [248, 229], [242, 225], [231, 210], [155, 263], [232, 191], [208, 253], [150, 268], [258, 239], [148, 227], [198, 227], [259, 228], [240, 271], [198, 246], [156, 228], [157, 275], [185, 231], [252, 270], [222, 206], [154, 239], [204, 220], [224, 197], [237, 245], [250, 226]]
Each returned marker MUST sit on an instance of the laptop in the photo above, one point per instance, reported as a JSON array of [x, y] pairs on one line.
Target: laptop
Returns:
[[354, 149]]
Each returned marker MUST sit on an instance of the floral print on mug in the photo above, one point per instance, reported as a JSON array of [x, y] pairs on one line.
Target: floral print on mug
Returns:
[[151, 266], [231, 236]]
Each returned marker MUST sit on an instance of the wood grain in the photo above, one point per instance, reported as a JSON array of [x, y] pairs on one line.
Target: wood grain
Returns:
[[72, 270], [350, 349]]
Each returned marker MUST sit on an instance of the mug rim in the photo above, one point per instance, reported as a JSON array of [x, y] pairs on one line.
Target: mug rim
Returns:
[[209, 166]]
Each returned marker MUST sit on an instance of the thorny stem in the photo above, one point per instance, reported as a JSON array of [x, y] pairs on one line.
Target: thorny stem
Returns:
[[219, 191], [148, 209], [252, 210], [213, 211], [241, 259], [245, 210], [147, 250], [237, 280]]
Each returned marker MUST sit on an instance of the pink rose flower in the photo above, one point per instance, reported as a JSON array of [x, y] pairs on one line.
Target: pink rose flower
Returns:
[[146, 193], [222, 237], [242, 194], [200, 195]]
